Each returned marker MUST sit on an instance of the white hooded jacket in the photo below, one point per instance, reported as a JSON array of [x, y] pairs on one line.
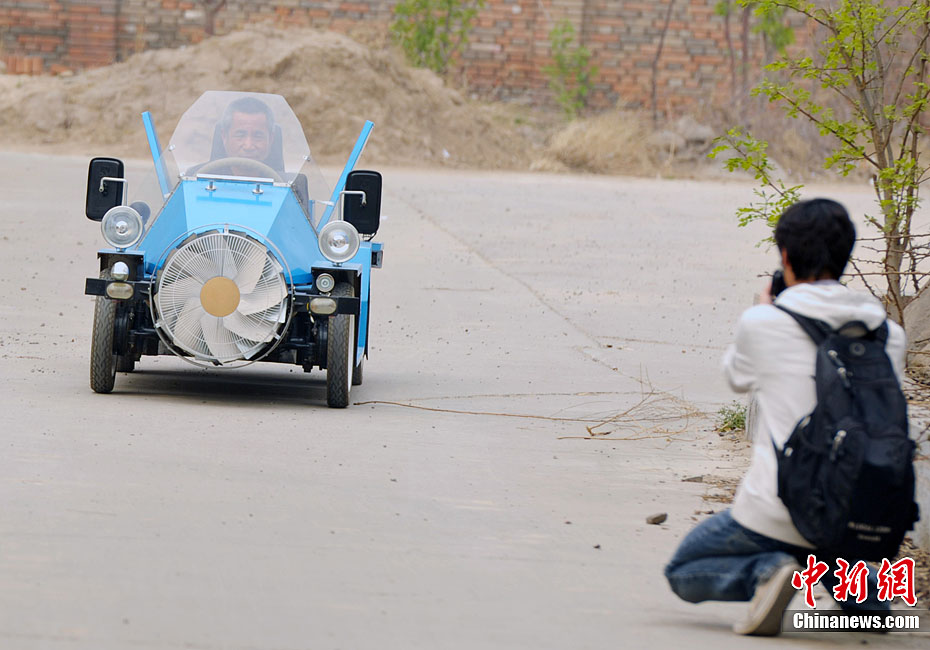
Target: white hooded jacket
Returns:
[[775, 358]]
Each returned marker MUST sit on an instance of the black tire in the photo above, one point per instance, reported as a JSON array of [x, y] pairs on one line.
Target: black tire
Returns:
[[358, 372], [340, 352], [102, 359], [125, 363]]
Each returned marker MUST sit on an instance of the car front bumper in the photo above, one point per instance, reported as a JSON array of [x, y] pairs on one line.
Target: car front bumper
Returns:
[[124, 290], [135, 290]]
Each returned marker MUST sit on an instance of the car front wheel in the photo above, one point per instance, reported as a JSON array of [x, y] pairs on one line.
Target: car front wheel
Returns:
[[102, 359], [340, 352]]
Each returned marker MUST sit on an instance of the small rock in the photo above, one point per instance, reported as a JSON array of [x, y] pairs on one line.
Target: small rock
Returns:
[[666, 140], [657, 518], [693, 132], [693, 479]]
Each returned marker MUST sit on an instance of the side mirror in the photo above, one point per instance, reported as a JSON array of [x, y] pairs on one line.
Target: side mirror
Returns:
[[103, 194], [361, 201]]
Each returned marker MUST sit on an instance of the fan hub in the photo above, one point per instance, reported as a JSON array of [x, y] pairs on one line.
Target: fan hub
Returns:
[[219, 296]]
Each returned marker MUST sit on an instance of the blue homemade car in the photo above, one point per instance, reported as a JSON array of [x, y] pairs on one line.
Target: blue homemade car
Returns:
[[234, 249]]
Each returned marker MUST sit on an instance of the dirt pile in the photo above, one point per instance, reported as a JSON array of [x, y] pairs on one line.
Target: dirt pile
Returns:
[[332, 82]]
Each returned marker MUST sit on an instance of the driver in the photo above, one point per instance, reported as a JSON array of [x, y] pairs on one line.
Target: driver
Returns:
[[247, 127], [246, 131]]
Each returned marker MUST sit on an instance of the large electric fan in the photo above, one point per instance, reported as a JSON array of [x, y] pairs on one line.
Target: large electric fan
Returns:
[[222, 297]]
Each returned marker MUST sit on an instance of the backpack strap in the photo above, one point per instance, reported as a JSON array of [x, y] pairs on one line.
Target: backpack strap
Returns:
[[819, 330], [816, 329]]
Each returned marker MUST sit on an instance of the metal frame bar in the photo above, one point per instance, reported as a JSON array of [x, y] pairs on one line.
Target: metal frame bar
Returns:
[[156, 152], [350, 165]]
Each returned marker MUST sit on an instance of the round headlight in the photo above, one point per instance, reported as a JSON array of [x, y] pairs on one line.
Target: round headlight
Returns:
[[120, 271], [325, 282], [121, 226], [339, 241]]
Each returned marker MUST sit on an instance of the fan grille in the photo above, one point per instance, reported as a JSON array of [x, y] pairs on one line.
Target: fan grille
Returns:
[[221, 297]]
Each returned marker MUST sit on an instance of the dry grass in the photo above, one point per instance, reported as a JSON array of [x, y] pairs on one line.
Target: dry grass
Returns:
[[655, 415], [628, 143], [615, 142]]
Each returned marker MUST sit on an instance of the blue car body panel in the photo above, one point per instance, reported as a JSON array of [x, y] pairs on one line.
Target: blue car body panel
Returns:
[[275, 214]]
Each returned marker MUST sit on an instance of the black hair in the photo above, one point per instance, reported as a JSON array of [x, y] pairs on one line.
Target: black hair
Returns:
[[250, 106], [818, 236]]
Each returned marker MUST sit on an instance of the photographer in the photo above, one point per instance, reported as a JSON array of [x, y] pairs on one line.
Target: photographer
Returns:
[[751, 551]]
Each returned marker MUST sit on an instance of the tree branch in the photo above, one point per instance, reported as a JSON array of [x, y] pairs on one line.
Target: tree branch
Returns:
[[813, 118], [655, 62]]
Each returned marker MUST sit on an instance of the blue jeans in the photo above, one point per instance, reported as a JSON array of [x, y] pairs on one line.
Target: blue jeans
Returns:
[[722, 560]]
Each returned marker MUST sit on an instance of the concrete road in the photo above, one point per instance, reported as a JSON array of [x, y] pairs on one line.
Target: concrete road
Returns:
[[459, 505]]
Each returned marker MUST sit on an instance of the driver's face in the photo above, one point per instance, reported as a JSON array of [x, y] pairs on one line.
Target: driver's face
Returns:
[[248, 136]]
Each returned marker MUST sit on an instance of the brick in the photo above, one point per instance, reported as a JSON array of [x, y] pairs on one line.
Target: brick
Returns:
[[507, 52]]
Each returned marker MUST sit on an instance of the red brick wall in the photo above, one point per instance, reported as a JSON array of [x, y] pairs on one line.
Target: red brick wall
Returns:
[[509, 45]]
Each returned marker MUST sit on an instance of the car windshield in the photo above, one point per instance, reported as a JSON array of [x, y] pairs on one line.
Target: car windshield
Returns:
[[255, 127], [233, 135]]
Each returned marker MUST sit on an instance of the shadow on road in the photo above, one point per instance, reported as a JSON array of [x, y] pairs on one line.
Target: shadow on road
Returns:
[[244, 386]]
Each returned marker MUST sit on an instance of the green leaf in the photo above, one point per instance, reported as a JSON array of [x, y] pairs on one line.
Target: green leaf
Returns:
[[431, 32], [571, 73]]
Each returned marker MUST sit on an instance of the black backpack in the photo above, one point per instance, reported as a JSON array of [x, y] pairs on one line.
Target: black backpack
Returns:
[[846, 474]]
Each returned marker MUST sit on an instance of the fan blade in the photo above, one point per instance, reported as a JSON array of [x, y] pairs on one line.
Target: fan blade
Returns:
[[194, 261], [186, 330], [275, 314], [268, 293], [251, 264], [174, 294], [248, 327], [221, 343], [216, 249]]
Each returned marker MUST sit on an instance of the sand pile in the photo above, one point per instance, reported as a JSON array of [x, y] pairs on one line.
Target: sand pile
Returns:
[[332, 82]]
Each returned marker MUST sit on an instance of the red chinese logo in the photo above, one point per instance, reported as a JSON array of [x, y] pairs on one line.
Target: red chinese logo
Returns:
[[809, 577], [896, 580], [852, 582]]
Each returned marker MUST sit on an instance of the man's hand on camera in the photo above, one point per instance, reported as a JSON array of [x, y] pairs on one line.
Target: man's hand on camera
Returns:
[[765, 296]]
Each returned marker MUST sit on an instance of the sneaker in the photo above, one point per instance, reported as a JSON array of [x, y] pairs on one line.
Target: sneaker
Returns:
[[769, 602]]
